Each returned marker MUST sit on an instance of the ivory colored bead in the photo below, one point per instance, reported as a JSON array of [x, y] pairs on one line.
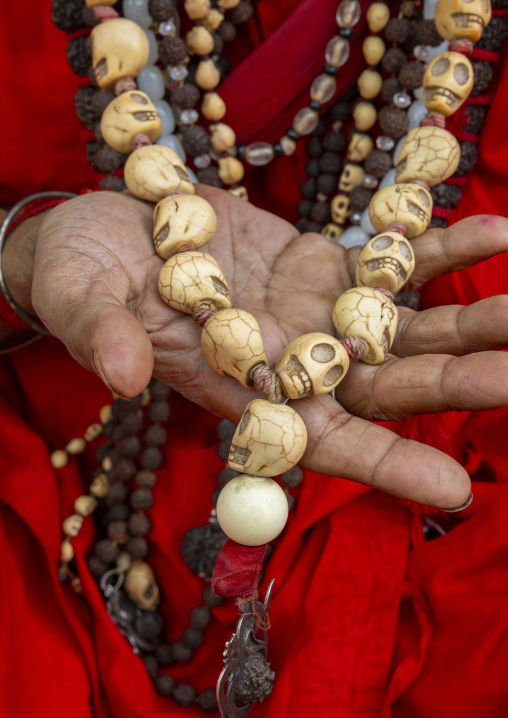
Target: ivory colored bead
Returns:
[[369, 84], [154, 171], [59, 459], [227, 4], [386, 261], [120, 48], [100, 486], [340, 207], [106, 414], [76, 446], [213, 19], [123, 561], [373, 49], [141, 586], [462, 19], [129, 114], [93, 431], [288, 145], [66, 551], [72, 525], [351, 177], [251, 510], [337, 51], [410, 204], [323, 88], [230, 170], [182, 222], [270, 439], [332, 231], [197, 9], [232, 345], [377, 16], [429, 154], [364, 115], [311, 365], [369, 315], [190, 279], [200, 40], [85, 505], [305, 121], [447, 82], [207, 75], [222, 137], [359, 147], [213, 107]]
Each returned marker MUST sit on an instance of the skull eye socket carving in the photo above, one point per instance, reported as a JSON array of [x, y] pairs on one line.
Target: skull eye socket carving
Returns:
[[146, 116], [423, 198], [332, 375], [440, 66], [405, 250], [244, 422], [461, 73], [138, 98], [219, 286], [382, 243], [323, 353]]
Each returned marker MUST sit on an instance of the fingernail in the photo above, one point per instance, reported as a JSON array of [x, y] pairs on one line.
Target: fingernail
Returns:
[[462, 506], [97, 367]]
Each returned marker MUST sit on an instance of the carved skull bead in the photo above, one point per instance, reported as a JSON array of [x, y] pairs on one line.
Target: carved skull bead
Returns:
[[447, 82], [386, 261], [332, 231], [191, 279], [240, 192], [370, 316], [129, 114], [154, 171], [72, 525], [352, 176], [141, 587], [410, 204], [459, 19], [182, 222], [359, 147], [120, 48], [340, 207], [270, 439], [312, 364], [429, 154]]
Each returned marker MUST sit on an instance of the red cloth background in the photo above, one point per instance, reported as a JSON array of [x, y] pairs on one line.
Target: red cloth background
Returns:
[[362, 625]]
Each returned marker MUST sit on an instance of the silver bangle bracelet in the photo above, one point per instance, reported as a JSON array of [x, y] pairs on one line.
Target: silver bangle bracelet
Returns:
[[10, 218]]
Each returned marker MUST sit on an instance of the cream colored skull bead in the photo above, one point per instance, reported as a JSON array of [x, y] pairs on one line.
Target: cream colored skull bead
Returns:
[[120, 49], [192, 279], [447, 82], [140, 585], [182, 222], [155, 171], [462, 19], [429, 154], [410, 204], [130, 114], [386, 261]]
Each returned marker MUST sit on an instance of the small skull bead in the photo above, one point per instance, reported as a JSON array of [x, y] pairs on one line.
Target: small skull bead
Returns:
[[351, 177], [386, 261], [129, 114], [371, 317], [458, 19], [313, 364], [72, 525], [447, 82], [191, 279], [182, 222], [120, 48], [155, 171], [359, 147], [429, 154], [340, 207], [141, 587], [410, 204], [269, 440], [332, 231]]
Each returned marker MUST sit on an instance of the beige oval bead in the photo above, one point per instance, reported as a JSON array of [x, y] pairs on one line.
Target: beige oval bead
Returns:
[[351, 177], [462, 19], [76, 446], [141, 586], [120, 48], [123, 561], [340, 207], [100, 486], [447, 82], [107, 463], [182, 222], [332, 231], [369, 84], [410, 204], [231, 170], [197, 9], [386, 261], [222, 137], [72, 525], [213, 107], [305, 121], [191, 279], [154, 171], [377, 16], [207, 75], [240, 192], [270, 439], [364, 115], [93, 432], [85, 505], [232, 345], [323, 88], [199, 40], [59, 459], [373, 49], [129, 114], [213, 19], [429, 154], [311, 365], [369, 315], [66, 551], [106, 414], [288, 145], [359, 147]]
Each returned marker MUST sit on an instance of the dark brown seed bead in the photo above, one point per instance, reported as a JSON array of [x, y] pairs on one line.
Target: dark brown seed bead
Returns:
[[172, 50], [118, 512], [208, 700], [186, 96], [227, 31], [308, 189], [184, 694], [79, 55], [135, 403], [200, 617], [321, 212], [341, 111], [84, 107], [218, 44], [98, 132], [161, 10], [225, 476], [210, 176], [412, 40], [326, 184], [132, 423], [445, 195], [393, 60], [149, 625], [164, 684], [301, 225], [67, 14], [151, 458], [320, 128], [293, 478], [104, 158], [411, 300], [159, 411], [155, 435], [181, 653], [468, 157], [389, 88], [291, 501], [476, 114], [130, 446], [304, 208], [223, 449], [120, 408], [97, 567], [411, 75], [360, 198], [378, 163], [241, 13], [137, 547], [141, 499], [192, 638], [159, 390], [312, 168], [210, 598], [125, 468], [334, 142], [494, 35], [427, 34], [314, 147], [393, 122], [101, 99], [117, 493], [118, 433], [113, 184], [314, 227], [224, 67], [151, 665], [117, 531], [498, 4], [102, 450], [164, 654], [329, 162], [106, 550], [226, 430], [145, 479], [397, 30], [214, 496], [139, 525], [482, 76], [437, 223], [89, 17], [195, 140]]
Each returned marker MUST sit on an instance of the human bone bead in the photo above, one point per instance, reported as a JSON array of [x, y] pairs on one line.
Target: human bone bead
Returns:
[[386, 261], [447, 82], [377, 16], [129, 114], [370, 316], [154, 171], [100, 486], [364, 115], [197, 9], [182, 222], [85, 505], [222, 137], [252, 510], [191, 279], [59, 459], [66, 551], [230, 170], [207, 75], [311, 365], [359, 147], [72, 525], [232, 345], [410, 204], [270, 439], [351, 177], [373, 49], [120, 48], [213, 107], [140, 585], [340, 207], [462, 19], [369, 84], [429, 154], [200, 40]]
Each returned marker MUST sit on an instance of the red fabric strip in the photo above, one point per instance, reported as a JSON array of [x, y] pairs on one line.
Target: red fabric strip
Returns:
[[237, 569]]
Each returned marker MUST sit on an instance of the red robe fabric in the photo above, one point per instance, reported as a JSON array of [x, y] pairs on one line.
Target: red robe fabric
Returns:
[[363, 625]]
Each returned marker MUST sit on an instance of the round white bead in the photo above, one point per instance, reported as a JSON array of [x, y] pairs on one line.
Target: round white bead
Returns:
[[174, 144], [398, 147], [433, 52], [137, 11], [429, 9], [353, 237], [366, 224], [387, 180]]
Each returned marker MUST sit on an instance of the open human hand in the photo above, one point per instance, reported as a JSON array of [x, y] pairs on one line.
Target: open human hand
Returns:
[[95, 287]]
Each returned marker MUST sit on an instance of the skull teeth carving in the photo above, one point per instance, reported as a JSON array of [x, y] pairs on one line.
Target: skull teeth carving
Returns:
[[465, 20], [432, 93], [418, 211], [146, 116], [447, 82], [297, 374], [462, 19], [390, 263], [387, 261], [238, 457]]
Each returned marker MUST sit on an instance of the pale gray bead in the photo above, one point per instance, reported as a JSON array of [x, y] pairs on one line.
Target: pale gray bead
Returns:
[[154, 50], [418, 93], [166, 116], [366, 224], [137, 11], [387, 180], [353, 237], [433, 52], [174, 144], [398, 148], [192, 176], [151, 82], [416, 113], [429, 9]]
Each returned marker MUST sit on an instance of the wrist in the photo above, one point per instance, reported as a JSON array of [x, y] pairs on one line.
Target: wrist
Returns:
[[18, 261]]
